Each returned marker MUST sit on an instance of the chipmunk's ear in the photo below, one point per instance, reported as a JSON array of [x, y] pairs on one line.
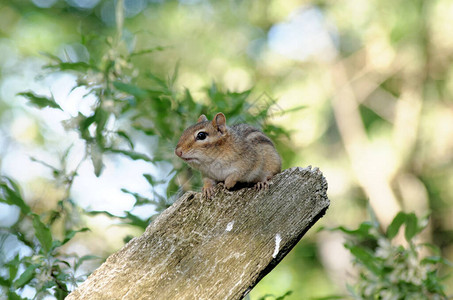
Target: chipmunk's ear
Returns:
[[219, 122], [202, 118]]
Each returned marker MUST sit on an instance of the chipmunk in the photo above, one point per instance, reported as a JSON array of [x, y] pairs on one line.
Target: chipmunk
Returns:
[[240, 153]]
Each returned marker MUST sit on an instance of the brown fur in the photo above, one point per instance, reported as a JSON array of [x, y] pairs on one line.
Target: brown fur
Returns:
[[240, 153]]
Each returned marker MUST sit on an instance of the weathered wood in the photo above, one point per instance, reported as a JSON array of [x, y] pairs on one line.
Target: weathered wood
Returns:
[[213, 249]]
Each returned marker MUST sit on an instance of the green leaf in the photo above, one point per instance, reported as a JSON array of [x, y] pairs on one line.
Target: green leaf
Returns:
[[13, 296], [365, 257], [284, 295], [332, 297], [362, 232], [71, 66], [4, 282], [57, 268], [128, 219], [174, 76], [84, 124], [25, 277], [100, 117], [147, 131], [146, 51], [136, 221], [40, 101], [126, 137], [61, 292], [51, 56], [157, 80], [130, 89], [127, 238], [291, 110], [411, 226], [71, 233], [132, 154], [42, 233], [96, 159], [139, 200], [353, 293], [103, 212], [84, 258], [13, 267], [152, 181], [394, 227], [432, 260], [10, 194]]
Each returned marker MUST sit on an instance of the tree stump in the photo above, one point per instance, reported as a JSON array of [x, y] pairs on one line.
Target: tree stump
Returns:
[[213, 249]]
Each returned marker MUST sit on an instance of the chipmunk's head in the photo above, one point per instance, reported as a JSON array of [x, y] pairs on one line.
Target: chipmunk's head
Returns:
[[202, 142]]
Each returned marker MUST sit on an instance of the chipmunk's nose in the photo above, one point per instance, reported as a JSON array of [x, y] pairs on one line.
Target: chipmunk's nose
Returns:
[[178, 152]]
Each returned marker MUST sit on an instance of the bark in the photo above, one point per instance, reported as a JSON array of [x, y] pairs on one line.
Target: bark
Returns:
[[213, 249]]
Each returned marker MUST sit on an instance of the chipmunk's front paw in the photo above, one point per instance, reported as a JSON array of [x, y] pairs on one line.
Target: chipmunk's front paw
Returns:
[[225, 188], [208, 188], [262, 185], [208, 192]]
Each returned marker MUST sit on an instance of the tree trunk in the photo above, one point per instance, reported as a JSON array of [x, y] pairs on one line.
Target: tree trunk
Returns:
[[213, 249]]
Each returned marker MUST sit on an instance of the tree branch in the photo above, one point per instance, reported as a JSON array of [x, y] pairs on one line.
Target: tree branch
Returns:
[[213, 249]]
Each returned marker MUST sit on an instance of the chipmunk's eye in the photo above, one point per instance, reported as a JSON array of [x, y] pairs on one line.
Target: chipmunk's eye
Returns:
[[201, 135]]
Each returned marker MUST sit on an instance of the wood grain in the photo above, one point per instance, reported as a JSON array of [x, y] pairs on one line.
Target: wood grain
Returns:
[[213, 249]]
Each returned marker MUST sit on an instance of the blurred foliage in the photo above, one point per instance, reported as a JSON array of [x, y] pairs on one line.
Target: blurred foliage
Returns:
[[391, 271], [267, 296], [139, 102], [374, 79], [47, 268]]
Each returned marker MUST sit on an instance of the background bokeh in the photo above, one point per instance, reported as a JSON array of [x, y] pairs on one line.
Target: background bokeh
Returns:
[[363, 88]]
